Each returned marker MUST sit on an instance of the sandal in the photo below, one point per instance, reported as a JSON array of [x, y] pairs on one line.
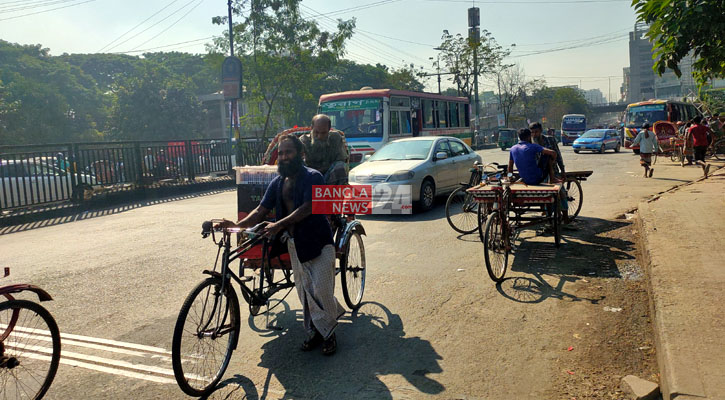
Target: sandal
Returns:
[[312, 342], [329, 346]]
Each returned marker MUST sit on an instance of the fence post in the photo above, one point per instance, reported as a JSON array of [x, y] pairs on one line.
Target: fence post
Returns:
[[139, 163], [230, 169], [189, 161], [75, 171]]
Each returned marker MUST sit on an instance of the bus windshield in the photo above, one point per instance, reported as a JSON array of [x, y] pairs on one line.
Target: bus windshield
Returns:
[[650, 113], [355, 117], [574, 123]]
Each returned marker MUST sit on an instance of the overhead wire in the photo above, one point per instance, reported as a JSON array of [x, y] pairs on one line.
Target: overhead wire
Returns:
[[45, 11], [4, 8], [170, 26], [137, 25], [151, 26]]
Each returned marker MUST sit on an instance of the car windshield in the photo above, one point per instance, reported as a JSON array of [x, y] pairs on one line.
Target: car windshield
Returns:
[[355, 117], [593, 134], [650, 113], [403, 150]]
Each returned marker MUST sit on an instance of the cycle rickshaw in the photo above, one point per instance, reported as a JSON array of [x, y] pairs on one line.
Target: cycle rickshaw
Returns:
[[507, 206], [208, 325]]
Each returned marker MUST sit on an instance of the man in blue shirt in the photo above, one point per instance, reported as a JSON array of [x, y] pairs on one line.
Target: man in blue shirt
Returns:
[[531, 159], [309, 241]]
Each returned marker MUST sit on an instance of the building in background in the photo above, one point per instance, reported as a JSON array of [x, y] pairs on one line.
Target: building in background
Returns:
[[625, 84], [594, 96], [641, 84]]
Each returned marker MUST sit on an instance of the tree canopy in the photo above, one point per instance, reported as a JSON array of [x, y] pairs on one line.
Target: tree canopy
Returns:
[[680, 27]]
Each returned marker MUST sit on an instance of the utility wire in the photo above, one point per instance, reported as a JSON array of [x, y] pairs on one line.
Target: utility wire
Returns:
[[167, 45], [172, 24], [139, 24], [152, 25], [44, 11], [31, 5]]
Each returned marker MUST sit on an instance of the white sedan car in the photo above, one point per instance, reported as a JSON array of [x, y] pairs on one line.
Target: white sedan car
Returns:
[[34, 181], [432, 165]]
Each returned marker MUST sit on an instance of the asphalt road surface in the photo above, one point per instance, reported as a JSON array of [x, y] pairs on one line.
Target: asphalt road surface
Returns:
[[433, 324]]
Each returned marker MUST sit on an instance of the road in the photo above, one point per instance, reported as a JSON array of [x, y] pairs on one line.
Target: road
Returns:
[[433, 324]]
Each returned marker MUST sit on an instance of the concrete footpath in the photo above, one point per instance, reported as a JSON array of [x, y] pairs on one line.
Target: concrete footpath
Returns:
[[683, 233]]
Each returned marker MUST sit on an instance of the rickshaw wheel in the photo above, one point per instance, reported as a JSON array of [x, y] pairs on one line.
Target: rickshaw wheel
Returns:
[[556, 222], [494, 247], [574, 197]]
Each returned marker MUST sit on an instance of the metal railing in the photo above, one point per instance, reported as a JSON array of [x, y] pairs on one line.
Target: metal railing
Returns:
[[42, 174]]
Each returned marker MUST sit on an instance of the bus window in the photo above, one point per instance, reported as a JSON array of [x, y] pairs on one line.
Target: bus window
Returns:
[[394, 127], [442, 114], [453, 115], [466, 115], [428, 114]]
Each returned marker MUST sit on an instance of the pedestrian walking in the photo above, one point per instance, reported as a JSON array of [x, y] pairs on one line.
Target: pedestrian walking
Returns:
[[647, 145], [700, 139]]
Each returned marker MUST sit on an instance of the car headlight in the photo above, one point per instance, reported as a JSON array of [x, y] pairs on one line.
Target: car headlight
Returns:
[[351, 177], [401, 176]]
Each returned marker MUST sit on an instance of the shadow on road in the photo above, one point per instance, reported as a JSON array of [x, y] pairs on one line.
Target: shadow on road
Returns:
[[65, 215], [585, 252], [371, 343]]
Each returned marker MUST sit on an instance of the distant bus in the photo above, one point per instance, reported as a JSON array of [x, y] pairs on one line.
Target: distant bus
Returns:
[[572, 126], [372, 117], [651, 111]]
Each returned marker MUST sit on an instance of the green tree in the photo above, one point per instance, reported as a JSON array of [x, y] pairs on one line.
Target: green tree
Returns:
[[287, 57], [457, 55], [155, 105], [682, 26]]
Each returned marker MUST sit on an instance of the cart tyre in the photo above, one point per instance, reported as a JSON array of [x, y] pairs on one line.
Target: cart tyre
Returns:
[[575, 198], [352, 271], [557, 221], [453, 202], [493, 246]]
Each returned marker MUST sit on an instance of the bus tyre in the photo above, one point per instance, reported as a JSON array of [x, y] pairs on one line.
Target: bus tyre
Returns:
[[427, 195]]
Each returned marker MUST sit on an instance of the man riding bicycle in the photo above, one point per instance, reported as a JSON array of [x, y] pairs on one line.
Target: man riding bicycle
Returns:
[[326, 151]]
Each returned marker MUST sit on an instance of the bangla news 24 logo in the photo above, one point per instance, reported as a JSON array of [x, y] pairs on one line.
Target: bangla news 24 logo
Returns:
[[381, 198]]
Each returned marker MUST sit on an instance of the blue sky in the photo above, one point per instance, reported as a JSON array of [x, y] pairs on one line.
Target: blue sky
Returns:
[[590, 36]]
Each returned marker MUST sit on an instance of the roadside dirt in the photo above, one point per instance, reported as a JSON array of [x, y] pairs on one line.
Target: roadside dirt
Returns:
[[619, 340]]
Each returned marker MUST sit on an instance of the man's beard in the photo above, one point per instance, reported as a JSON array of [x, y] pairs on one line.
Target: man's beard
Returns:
[[290, 168]]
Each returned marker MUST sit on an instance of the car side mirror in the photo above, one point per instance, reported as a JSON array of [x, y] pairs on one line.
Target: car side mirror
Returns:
[[367, 157], [441, 155]]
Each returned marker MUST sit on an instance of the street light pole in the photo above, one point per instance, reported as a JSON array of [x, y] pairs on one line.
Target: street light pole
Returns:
[[474, 38]]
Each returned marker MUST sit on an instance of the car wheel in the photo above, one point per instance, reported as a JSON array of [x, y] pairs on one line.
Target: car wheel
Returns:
[[576, 151], [636, 151], [616, 149], [427, 195], [601, 149]]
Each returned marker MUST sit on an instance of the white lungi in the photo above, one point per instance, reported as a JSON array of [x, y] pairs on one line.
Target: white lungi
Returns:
[[315, 283]]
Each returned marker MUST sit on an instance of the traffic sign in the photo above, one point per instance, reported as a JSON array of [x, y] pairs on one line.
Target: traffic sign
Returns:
[[232, 78]]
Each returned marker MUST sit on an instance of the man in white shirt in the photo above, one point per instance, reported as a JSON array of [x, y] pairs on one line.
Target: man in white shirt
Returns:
[[647, 145]]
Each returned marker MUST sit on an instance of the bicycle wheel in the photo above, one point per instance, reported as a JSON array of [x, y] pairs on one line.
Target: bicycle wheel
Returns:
[[352, 271], [494, 247], [556, 221], [27, 365], [574, 198], [462, 211], [205, 335]]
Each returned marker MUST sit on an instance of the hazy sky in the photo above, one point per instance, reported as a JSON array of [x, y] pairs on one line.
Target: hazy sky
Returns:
[[567, 42]]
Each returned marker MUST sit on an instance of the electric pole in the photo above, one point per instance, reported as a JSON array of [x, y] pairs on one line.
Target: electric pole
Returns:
[[474, 38]]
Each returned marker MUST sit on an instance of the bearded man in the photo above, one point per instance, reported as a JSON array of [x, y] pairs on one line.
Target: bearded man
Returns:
[[309, 242]]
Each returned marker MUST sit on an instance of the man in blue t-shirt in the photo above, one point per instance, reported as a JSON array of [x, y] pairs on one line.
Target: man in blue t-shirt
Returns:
[[531, 159]]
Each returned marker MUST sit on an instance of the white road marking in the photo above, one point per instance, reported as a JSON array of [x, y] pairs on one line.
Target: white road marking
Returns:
[[108, 365]]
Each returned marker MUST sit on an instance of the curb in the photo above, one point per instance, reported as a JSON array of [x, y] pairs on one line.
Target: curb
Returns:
[[679, 375]]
